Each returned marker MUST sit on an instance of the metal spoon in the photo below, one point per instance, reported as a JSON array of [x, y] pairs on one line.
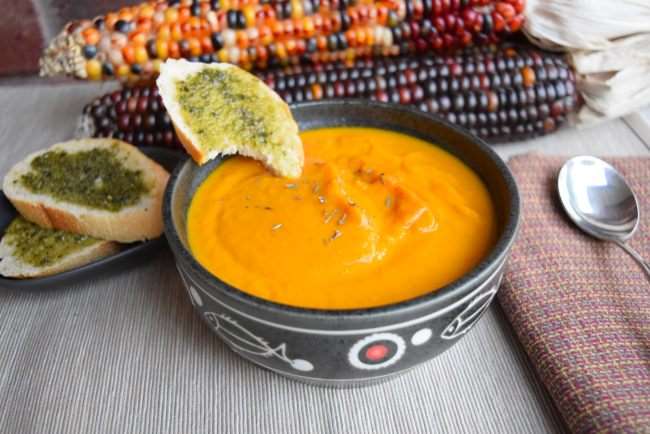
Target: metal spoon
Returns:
[[600, 202]]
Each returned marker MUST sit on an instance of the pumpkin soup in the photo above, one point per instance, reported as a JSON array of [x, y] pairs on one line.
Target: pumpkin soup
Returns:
[[377, 217]]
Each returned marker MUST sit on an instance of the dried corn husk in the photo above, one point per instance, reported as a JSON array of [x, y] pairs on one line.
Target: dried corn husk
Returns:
[[608, 43]]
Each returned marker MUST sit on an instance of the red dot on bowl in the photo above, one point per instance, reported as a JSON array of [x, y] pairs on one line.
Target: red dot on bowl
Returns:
[[376, 352]]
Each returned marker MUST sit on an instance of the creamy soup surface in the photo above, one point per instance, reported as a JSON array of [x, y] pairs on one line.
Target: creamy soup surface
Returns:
[[377, 217]]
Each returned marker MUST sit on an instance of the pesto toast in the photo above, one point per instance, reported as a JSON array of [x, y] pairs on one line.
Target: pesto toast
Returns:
[[103, 188], [220, 109], [28, 250]]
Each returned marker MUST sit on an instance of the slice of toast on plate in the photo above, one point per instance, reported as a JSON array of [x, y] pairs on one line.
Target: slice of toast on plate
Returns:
[[104, 188], [27, 250]]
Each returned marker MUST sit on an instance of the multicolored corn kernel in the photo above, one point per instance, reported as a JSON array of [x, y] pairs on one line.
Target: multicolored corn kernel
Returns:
[[135, 115], [287, 32], [501, 93]]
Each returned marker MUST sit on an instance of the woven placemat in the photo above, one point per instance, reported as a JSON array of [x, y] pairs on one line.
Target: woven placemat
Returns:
[[581, 307]]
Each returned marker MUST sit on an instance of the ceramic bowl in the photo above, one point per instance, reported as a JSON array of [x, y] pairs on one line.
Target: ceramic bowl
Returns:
[[350, 347]]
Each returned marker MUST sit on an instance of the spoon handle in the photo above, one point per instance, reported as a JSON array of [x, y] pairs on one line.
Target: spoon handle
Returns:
[[633, 253]]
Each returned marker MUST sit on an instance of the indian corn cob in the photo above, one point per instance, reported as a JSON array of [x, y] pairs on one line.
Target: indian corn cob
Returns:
[[131, 43], [501, 93]]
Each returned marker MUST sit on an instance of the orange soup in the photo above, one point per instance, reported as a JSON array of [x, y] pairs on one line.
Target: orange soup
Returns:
[[377, 217]]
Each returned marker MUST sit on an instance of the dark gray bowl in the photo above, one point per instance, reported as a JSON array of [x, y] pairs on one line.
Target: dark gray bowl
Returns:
[[341, 347]]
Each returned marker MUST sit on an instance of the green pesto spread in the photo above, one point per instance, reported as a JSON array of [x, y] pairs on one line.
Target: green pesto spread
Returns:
[[95, 178], [223, 108], [42, 247]]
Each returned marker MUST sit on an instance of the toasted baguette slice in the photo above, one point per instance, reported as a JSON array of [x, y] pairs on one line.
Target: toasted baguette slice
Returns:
[[133, 223], [281, 150], [13, 266]]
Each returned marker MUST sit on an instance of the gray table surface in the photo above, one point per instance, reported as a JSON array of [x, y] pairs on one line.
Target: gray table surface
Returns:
[[126, 353]]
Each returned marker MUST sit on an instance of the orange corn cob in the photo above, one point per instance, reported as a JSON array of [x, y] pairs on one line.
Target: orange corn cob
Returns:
[[132, 42]]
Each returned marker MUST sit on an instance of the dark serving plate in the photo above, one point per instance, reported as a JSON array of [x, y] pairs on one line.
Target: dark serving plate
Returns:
[[125, 258]]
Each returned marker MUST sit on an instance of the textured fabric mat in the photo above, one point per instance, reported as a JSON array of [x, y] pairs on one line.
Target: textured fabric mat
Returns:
[[581, 307], [127, 354]]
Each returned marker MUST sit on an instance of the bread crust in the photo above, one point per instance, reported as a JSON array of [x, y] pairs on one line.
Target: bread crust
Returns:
[[139, 222], [195, 152]]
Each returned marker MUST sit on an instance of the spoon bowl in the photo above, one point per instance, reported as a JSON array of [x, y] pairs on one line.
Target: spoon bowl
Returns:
[[599, 201]]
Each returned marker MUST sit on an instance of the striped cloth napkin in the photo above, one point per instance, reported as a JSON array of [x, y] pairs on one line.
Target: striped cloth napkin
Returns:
[[581, 307]]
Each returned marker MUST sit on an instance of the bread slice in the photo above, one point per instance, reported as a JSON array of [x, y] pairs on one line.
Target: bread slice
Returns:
[[12, 265], [234, 123], [133, 223]]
